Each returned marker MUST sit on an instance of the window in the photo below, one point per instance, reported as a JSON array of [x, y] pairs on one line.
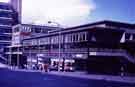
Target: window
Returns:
[[61, 39], [133, 36], [52, 40], [44, 30], [16, 40], [16, 29], [127, 36], [32, 30], [35, 42], [7, 31], [27, 42], [82, 36], [76, 37], [48, 40], [72, 37], [37, 30], [44, 40], [66, 38], [26, 29], [58, 38], [41, 42]]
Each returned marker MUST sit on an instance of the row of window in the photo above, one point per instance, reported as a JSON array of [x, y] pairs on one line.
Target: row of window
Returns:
[[5, 7], [76, 37], [5, 37], [16, 29], [31, 29], [2, 30], [129, 36], [67, 38], [15, 40], [2, 14]]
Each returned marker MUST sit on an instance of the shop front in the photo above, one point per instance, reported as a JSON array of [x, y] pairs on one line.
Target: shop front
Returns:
[[62, 64]]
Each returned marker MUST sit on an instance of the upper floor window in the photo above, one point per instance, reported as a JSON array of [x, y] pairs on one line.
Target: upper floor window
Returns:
[[127, 36], [35, 42], [133, 36], [61, 39], [69, 38], [38, 30], [76, 37], [16, 29], [41, 41], [27, 42], [26, 29], [45, 40], [66, 38], [82, 36], [52, 40]]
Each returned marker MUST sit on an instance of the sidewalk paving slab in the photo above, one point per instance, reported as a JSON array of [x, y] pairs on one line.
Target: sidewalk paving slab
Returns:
[[83, 75]]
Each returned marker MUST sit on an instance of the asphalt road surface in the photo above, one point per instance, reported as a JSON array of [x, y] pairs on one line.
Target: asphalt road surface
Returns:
[[35, 79]]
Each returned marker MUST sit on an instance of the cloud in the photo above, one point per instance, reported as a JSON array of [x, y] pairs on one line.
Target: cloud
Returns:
[[65, 12], [5, 1]]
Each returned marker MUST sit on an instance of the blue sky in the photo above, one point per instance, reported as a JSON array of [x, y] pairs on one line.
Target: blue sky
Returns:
[[119, 10], [77, 12]]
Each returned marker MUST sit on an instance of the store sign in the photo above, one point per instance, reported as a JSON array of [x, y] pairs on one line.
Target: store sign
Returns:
[[40, 55], [93, 53], [79, 55]]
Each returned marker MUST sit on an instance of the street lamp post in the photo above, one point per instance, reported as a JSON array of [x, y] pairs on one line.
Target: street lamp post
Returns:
[[59, 55], [58, 25]]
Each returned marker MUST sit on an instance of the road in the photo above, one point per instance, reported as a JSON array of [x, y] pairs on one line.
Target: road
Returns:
[[35, 79]]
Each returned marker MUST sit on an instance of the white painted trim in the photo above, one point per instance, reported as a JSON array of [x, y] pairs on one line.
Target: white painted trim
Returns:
[[123, 38]]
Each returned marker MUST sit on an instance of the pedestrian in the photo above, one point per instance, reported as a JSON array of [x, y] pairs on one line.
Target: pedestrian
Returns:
[[46, 67], [41, 67], [122, 71]]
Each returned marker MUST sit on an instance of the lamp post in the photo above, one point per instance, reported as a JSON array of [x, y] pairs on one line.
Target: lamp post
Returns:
[[58, 25]]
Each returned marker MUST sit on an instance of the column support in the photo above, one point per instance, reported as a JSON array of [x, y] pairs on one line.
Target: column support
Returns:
[[18, 57]]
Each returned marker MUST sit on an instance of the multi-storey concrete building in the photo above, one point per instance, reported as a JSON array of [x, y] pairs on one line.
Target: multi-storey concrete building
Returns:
[[101, 47], [20, 32], [8, 18], [17, 5]]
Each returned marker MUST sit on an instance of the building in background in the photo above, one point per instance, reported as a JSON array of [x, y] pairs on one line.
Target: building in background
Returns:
[[17, 5], [102, 47], [20, 32], [8, 18]]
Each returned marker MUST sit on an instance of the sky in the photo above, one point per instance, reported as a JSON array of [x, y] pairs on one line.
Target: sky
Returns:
[[64, 12], [77, 12], [5, 1]]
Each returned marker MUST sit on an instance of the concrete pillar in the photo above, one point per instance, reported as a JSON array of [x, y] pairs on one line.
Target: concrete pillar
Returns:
[[30, 57], [38, 53], [18, 57], [10, 56]]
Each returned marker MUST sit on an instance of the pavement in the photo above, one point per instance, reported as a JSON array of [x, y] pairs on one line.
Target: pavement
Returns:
[[29, 78], [84, 75], [3, 65]]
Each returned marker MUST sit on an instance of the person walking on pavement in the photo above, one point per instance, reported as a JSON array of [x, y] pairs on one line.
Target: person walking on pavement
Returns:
[[46, 67]]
